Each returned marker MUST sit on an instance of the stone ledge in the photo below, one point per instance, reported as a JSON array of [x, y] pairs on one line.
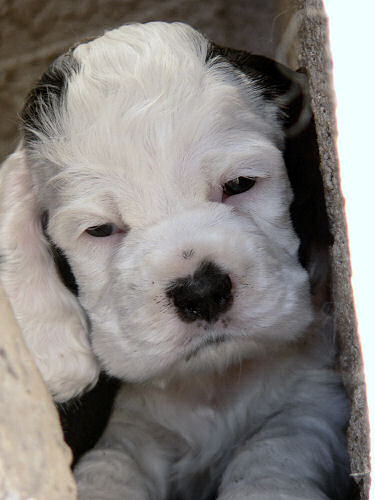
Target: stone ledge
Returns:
[[315, 56], [34, 459]]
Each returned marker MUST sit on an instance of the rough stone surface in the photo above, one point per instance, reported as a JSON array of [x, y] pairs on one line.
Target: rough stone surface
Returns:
[[32, 34], [34, 460], [314, 55]]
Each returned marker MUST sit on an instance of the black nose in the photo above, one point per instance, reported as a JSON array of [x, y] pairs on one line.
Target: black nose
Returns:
[[204, 295]]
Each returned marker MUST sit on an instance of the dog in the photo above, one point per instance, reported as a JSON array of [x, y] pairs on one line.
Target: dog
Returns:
[[162, 220]]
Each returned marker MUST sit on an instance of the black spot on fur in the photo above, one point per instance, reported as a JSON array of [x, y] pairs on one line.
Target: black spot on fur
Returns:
[[83, 419], [188, 254], [62, 265], [47, 97]]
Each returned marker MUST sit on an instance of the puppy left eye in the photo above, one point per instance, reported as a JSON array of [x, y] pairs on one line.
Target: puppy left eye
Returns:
[[238, 185], [102, 231]]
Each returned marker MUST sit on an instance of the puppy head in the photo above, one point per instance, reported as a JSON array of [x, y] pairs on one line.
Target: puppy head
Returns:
[[157, 159]]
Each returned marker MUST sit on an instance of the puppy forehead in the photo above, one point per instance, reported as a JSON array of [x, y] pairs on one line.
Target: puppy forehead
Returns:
[[144, 108], [128, 48], [149, 88], [136, 82]]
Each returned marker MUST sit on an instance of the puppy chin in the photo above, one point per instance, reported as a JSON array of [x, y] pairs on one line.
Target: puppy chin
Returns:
[[208, 356], [206, 348], [201, 350]]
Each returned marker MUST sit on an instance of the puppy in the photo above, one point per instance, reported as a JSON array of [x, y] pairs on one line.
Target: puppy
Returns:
[[168, 179]]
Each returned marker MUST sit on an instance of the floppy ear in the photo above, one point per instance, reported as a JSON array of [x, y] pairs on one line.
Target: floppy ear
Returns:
[[289, 91], [53, 323]]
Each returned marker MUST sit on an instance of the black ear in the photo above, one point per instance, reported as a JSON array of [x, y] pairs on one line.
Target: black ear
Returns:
[[286, 88], [289, 91]]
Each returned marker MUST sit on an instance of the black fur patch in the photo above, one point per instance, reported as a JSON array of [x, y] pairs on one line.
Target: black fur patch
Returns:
[[62, 265], [277, 82], [47, 97], [83, 419], [289, 91]]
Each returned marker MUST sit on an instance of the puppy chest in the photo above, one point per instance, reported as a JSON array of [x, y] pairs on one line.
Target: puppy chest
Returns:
[[198, 427]]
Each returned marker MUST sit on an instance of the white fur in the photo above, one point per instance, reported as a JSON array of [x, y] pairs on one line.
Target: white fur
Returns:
[[52, 322], [147, 136]]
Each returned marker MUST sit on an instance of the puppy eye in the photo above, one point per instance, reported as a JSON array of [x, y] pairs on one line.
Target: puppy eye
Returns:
[[102, 230], [238, 185]]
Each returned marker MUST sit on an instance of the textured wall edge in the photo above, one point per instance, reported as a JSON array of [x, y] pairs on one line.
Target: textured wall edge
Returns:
[[34, 459], [313, 53]]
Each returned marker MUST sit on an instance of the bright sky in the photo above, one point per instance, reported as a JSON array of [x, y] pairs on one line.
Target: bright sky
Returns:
[[352, 44]]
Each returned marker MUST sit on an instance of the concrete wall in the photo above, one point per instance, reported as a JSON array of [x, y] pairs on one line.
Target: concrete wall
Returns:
[[313, 54], [33, 458], [34, 32]]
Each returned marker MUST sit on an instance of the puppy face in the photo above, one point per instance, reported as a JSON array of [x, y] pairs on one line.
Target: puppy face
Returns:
[[162, 174]]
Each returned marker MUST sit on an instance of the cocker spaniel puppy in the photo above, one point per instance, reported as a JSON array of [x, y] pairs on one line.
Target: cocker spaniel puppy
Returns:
[[162, 220]]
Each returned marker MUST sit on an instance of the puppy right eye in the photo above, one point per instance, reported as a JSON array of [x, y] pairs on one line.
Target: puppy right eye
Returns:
[[102, 230], [238, 185]]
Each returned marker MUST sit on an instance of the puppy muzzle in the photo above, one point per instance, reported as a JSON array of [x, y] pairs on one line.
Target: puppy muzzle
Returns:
[[179, 286]]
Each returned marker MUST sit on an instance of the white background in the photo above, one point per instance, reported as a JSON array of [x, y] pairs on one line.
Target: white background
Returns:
[[352, 35]]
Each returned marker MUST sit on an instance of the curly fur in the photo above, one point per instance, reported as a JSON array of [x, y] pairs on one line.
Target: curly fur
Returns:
[[141, 128]]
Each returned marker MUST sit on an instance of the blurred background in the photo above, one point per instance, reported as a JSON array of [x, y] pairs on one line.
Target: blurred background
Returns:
[[34, 32]]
